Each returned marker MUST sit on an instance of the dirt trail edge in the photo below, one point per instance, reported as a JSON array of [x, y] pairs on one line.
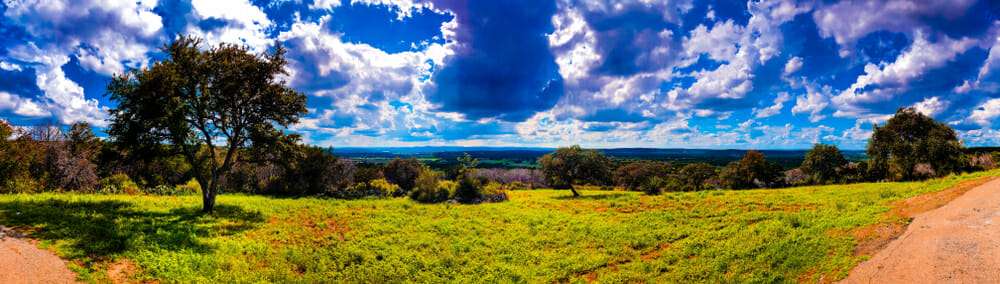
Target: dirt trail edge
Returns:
[[956, 243], [23, 262]]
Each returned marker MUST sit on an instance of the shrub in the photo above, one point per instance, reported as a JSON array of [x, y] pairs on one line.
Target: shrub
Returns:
[[653, 185], [494, 192], [752, 171], [429, 188], [119, 184], [981, 162], [694, 176], [469, 189], [854, 172], [923, 170], [403, 172], [823, 163], [20, 184], [634, 175], [796, 177], [68, 170]]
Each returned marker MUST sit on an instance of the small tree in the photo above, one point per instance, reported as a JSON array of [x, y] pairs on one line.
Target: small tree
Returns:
[[693, 176], [823, 164], [469, 187], [911, 138], [570, 165], [403, 172], [197, 98], [752, 171], [633, 175]]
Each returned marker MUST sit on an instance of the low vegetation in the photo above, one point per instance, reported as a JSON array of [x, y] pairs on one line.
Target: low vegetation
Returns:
[[786, 235]]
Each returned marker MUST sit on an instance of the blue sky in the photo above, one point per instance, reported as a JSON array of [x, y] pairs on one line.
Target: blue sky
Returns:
[[624, 73]]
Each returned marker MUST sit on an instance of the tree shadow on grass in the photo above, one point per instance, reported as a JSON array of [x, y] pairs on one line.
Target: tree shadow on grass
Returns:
[[593, 196], [99, 230]]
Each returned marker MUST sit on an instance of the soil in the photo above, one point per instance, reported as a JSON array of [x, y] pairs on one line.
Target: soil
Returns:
[[22, 262], [956, 243]]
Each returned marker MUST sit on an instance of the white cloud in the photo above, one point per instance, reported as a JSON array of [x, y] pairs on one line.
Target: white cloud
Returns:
[[9, 66], [848, 21], [813, 102], [793, 65], [107, 36], [246, 24], [985, 113], [931, 106], [720, 43], [779, 103], [21, 106], [324, 4], [881, 83]]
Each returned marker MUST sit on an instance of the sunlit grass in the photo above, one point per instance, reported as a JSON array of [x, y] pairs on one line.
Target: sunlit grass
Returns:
[[778, 235]]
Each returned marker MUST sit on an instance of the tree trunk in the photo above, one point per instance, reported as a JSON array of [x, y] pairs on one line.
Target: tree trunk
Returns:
[[575, 194], [208, 197]]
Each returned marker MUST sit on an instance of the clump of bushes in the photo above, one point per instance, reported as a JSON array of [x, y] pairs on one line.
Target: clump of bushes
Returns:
[[119, 184], [429, 188]]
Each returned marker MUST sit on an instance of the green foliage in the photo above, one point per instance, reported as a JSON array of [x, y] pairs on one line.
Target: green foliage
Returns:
[[655, 185], [575, 165], [634, 175], [119, 184], [823, 164], [752, 171], [403, 172], [539, 236], [909, 139], [198, 96], [430, 188], [693, 177], [378, 188]]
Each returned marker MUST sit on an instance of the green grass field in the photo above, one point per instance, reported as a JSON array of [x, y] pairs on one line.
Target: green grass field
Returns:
[[781, 235]]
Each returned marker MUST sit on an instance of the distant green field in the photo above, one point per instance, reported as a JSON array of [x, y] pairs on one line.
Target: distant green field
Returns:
[[782, 235]]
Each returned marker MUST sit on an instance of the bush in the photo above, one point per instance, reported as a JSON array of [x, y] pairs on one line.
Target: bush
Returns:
[[429, 188], [653, 185], [469, 189], [694, 176], [20, 184], [634, 175], [403, 172], [119, 184], [796, 177], [378, 188], [494, 192], [981, 162], [752, 171]]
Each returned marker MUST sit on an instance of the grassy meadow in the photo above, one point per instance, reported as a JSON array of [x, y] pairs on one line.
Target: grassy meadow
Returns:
[[774, 235]]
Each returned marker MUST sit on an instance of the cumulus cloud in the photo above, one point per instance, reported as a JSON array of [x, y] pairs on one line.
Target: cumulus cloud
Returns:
[[21, 106], [882, 82], [986, 113], [779, 103], [720, 43], [793, 65], [849, 20], [813, 102], [230, 21], [931, 106]]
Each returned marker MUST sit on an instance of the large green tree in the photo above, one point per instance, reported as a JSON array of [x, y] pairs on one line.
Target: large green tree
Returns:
[[207, 103], [911, 138], [570, 165], [823, 164]]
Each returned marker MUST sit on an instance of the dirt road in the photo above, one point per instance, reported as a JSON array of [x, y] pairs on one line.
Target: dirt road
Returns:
[[23, 262], [957, 243]]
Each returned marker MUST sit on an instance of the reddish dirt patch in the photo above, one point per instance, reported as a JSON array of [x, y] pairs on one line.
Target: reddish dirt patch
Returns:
[[875, 237], [958, 242], [121, 272], [23, 262]]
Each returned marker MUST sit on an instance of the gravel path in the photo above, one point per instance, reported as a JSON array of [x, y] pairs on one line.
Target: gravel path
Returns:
[[23, 262], [957, 243]]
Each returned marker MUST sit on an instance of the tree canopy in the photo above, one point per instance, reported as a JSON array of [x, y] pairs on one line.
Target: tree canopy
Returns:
[[205, 102], [910, 141], [823, 164], [569, 165]]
